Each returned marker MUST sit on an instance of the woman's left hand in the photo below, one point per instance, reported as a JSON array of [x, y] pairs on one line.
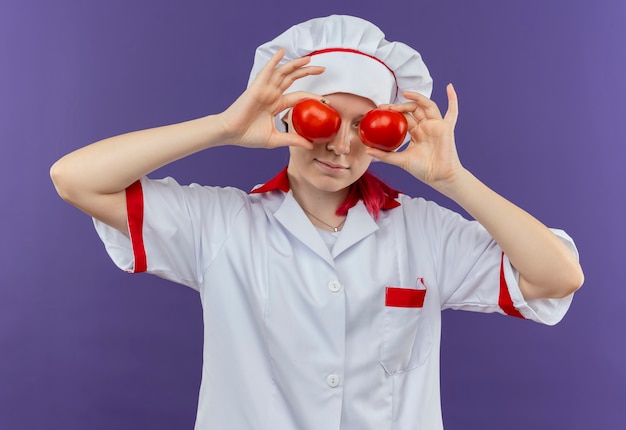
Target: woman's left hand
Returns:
[[547, 268], [431, 154]]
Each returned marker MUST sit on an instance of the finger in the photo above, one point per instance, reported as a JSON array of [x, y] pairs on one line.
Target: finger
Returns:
[[267, 70], [426, 108], [291, 139], [384, 156], [412, 122], [400, 107], [418, 97], [291, 99], [281, 70], [453, 105], [288, 100], [288, 80], [290, 67]]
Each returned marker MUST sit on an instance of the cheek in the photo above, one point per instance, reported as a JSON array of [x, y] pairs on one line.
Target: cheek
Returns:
[[365, 164], [361, 161], [296, 156], [304, 155], [357, 149]]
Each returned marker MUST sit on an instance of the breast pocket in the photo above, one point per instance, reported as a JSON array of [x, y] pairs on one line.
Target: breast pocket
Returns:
[[407, 335]]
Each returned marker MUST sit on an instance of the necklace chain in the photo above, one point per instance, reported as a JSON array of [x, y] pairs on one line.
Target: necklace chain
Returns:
[[335, 229]]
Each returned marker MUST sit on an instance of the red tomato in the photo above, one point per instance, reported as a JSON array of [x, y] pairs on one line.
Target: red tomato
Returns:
[[314, 120], [383, 129]]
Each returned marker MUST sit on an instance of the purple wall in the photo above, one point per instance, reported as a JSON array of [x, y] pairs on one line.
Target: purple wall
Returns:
[[542, 90]]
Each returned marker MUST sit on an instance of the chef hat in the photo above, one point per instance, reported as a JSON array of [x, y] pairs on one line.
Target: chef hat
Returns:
[[356, 56]]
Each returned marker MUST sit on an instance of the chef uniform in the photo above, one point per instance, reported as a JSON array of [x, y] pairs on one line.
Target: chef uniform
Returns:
[[310, 330]]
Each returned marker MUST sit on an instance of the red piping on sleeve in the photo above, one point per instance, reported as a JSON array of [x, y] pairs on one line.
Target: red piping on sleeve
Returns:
[[134, 211], [504, 301]]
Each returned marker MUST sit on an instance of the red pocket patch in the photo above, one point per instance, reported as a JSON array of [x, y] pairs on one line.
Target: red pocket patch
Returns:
[[404, 297]]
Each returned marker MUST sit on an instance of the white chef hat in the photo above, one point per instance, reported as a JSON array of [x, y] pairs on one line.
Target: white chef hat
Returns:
[[356, 56]]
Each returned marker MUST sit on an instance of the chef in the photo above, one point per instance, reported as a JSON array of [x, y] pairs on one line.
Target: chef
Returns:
[[322, 289]]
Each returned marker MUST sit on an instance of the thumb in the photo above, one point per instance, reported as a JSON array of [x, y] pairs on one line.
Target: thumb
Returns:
[[384, 156], [290, 139]]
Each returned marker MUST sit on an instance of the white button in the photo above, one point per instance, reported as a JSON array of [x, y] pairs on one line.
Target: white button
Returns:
[[334, 286], [332, 380]]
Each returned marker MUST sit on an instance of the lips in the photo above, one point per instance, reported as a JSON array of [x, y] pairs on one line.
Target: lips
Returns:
[[331, 165]]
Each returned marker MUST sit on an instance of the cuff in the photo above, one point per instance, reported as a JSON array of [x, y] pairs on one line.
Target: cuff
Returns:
[[544, 311]]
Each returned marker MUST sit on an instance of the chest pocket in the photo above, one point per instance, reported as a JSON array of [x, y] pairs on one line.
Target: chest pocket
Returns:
[[407, 334]]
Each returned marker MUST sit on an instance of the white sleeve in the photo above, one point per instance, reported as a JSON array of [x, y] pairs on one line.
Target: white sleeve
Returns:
[[175, 231], [475, 275], [546, 311]]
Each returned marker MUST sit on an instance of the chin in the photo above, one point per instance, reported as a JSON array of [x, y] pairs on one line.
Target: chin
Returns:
[[331, 184]]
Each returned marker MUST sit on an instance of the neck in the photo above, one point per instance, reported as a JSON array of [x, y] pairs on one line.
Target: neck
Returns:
[[319, 205]]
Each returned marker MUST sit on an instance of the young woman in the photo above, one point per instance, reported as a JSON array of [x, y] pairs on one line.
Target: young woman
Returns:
[[322, 289]]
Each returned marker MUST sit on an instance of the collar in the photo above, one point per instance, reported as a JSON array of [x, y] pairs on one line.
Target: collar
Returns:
[[278, 182], [368, 188]]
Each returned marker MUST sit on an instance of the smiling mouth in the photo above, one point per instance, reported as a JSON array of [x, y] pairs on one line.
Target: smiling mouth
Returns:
[[331, 165]]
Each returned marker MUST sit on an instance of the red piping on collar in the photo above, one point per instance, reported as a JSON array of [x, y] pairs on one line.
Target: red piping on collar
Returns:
[[374, 193]]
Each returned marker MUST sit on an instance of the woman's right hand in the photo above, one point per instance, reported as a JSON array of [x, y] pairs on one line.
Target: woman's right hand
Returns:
[[94, 178], [249, 121]]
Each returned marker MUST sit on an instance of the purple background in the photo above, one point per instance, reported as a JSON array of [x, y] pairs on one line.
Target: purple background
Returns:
[[541, 87]]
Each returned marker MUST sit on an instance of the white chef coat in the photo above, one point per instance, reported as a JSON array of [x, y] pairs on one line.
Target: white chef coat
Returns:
[[298, 336]]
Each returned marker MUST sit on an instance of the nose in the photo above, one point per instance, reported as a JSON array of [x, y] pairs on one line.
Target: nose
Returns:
[[340, 144]]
